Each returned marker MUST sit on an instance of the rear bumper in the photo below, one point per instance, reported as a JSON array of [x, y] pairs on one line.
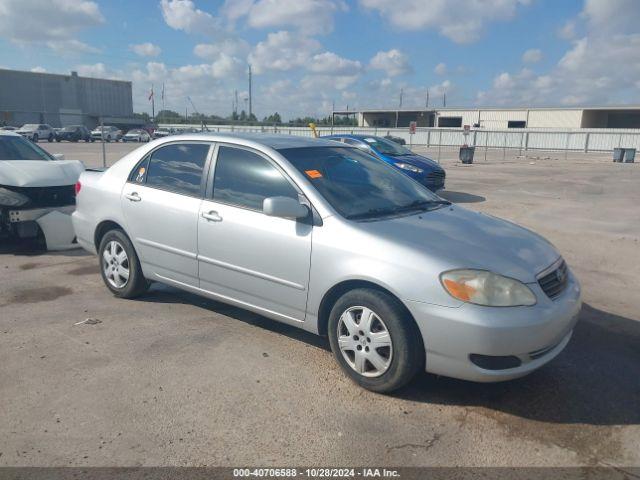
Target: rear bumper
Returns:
[[534, 335], [84, 230]]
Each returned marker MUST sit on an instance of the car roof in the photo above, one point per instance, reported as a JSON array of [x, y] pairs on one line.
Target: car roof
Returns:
[[275, 141], [351, 135]]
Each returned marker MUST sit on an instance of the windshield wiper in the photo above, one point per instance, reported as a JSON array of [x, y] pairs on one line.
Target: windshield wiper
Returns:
[[380, 212]]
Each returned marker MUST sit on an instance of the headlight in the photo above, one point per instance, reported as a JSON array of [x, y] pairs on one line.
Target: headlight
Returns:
[[409, 167], [486, 288], [12, 199]]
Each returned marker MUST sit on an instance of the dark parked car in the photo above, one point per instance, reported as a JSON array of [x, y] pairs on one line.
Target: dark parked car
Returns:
[[422, 169], [74, 133]]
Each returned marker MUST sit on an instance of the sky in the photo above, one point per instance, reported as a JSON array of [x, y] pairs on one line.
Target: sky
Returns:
[[309, 55]]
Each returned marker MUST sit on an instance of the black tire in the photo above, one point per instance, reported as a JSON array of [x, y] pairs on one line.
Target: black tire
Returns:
[[408, 350], [58, 140], [35, 138], [136, 285], [51, 138], [92, 140]]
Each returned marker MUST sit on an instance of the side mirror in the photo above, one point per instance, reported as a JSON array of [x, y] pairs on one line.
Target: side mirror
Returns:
[[285, 207], [58, 156]]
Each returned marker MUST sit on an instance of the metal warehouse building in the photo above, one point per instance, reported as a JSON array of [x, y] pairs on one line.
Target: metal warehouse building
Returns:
[[59, 100], [500, 118]]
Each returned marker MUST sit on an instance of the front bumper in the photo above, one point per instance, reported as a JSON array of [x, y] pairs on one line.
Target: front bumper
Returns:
[[55, 223], [535, 335]]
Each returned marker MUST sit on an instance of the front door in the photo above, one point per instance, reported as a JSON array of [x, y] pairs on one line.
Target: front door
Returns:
[[161, 202], [244, 255]]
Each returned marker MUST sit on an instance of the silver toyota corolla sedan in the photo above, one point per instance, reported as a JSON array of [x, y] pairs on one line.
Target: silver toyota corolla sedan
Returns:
[[320, 235]]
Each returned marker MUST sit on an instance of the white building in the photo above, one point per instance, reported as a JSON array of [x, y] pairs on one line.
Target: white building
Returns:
[[500, 118]]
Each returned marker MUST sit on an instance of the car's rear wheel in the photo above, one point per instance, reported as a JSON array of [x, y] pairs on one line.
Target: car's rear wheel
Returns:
[[51, 138], [375, 340], [35, 138], [120, 267]]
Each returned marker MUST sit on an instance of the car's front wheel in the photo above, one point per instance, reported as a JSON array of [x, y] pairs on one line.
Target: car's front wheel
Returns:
[[120, 267], [51, 138], [375, 340]]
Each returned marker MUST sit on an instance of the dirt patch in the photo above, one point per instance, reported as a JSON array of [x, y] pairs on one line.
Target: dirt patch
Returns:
[[30, 266], [36, 295], [85, 270]]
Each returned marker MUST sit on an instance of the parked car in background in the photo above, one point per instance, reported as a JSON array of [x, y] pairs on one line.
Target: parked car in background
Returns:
[[37, 131], [420, 168], [111, 134], [163, 132], [9, 128], [136, 135], [329, 238], [37, 192], [74, 133]]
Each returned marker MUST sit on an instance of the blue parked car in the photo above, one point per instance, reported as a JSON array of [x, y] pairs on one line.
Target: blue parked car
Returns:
[[420, 168]]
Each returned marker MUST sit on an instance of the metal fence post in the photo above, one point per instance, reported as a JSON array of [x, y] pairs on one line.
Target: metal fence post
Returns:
[[504, 147], [566, 145], [586, 143], [439, 145], [104, 153]]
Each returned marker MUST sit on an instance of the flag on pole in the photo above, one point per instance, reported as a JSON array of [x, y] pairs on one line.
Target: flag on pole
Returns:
[[151, 93]]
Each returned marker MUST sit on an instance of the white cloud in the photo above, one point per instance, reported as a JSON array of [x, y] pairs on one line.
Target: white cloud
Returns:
[[183, 15], [393, 62], [96, 70], [568, 30], [441, 69], [146, 49], [212, 51], [330, 63], [308, 16], [533, 55], [39, 69], [462, 21], [601, 67], [54, 23], [282, 51]]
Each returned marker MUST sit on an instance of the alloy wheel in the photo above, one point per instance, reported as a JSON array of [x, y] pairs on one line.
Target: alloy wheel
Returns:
[[115, 264]]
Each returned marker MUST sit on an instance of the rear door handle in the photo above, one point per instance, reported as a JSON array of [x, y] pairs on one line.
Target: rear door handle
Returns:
[[212, 216], [134, 197]]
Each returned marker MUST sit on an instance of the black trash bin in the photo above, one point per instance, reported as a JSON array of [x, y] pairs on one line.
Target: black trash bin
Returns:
[[629, 155], [466, 154], [618, 154]]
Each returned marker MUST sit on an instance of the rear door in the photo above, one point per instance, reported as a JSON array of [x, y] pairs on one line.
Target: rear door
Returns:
[[245, 255], [161, 202]]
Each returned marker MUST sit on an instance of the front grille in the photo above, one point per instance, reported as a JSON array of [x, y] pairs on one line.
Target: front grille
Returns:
[[435, 177], [554, 282], [42, 197]]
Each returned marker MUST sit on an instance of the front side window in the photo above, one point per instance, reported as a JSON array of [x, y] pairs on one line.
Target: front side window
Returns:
[[245, 179], [358, 185], [177, 168]]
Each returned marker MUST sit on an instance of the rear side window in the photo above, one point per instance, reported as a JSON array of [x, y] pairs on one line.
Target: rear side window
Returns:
[[245, 179], [177, 168]]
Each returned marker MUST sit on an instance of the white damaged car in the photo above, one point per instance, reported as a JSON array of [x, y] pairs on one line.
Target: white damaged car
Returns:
[[37, 193]]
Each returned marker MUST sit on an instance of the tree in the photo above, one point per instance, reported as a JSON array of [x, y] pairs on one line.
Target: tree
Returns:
[[275, 118]]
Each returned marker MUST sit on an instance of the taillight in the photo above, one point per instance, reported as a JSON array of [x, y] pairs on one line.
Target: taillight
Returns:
[[78, 187]]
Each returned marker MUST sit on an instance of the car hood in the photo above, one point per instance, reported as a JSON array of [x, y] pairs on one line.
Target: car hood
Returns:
[[417, 160], [39, 173], [461, 238]]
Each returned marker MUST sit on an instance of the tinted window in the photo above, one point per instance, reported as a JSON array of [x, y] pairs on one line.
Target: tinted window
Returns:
[[245, 179], [356, 184], [17, 148], [178, 168]]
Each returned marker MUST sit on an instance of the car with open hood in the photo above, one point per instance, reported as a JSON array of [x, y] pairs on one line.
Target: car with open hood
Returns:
[[422, 169], [325, 237], [37, 192]]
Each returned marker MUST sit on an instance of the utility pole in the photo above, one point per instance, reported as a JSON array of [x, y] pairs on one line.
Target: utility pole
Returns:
[[401, 94], [235, 108], [444, 99], [427, 103], [250, 105]]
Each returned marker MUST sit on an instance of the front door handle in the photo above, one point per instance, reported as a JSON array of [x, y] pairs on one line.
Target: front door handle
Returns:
[[212, 216], [134, 197]]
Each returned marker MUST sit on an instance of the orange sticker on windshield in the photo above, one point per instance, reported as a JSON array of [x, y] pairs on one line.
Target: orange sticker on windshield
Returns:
[[313, 173]]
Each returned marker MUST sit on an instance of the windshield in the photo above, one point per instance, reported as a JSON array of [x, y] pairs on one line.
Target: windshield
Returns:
[[357, 185], [135, 132], [17, 148], [386, 147], [29, 126], [71, 128]]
